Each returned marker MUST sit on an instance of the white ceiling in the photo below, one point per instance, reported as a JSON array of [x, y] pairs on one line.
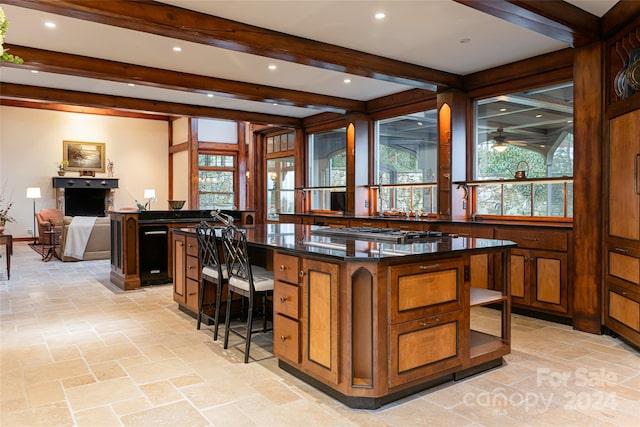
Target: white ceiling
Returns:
[[422, 32]]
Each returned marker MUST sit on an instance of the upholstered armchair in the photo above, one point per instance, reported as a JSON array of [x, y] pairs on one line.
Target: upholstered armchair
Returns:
[[48, 220]]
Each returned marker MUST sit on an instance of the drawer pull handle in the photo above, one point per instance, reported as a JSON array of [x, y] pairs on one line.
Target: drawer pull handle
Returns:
[[301, 273], [283, 299], [623, 250], [429, 267], [282, 267], [192, 294], [624, 293], [190, 267], [530, 239], [283, 338], [423, 324]]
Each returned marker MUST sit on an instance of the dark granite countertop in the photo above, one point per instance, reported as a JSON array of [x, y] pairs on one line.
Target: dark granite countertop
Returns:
[[299, 239]]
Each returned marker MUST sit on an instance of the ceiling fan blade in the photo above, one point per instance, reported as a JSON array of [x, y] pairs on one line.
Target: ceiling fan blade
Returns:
[[518, 143]]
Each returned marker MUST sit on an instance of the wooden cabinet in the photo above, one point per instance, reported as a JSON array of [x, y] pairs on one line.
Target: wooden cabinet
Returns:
[[622, 238], [286, 307], [425, 313], [186, 267], [538, 269], [320, 309]]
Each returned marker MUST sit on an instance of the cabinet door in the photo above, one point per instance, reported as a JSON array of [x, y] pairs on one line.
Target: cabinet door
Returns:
[[320, 318], [179, 269], [624, 176], [549, 279], [519, 269], [424, 347]]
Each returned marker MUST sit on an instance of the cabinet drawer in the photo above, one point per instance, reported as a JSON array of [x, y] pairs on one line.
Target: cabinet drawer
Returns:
[[535, 239], [424, 347], [193, 267], [192, 246], [423, 289], [286, 299], [624, 265], [624, 307], [366, 223], [286, 338], [332, 222], [192, 292], [286, 267]]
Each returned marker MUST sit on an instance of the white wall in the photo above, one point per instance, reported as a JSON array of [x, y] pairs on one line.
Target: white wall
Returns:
[[31, 146]]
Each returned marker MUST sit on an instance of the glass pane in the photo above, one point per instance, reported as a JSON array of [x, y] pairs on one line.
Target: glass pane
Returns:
[[489, 200], [216, 190], [531, 125], [327, 159], [517, 199], [406, 148], [270, 144], [214, 160], [280, 186]]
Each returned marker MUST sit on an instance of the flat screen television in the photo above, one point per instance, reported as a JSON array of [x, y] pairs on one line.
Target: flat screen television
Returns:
[[338, 200]]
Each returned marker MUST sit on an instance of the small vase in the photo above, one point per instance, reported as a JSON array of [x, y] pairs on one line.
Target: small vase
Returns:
[[61, 173]]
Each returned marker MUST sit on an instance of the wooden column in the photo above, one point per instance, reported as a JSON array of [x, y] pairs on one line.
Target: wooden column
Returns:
[[587, 188], [357, 165]]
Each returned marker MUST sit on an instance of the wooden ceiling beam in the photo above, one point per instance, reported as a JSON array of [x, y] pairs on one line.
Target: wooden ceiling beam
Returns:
[[83, 66], [182, 24], [40, 94], [553, 18]]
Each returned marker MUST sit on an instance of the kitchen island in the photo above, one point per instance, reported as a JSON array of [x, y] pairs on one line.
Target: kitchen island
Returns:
[[369, 317]]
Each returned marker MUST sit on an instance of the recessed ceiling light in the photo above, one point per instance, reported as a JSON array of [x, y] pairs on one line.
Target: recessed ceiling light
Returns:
[[538, 115], [35, 71], [380, 15], [569, 121], [131, 84], [272, 67], [275, 103], [419, 123], [347, 80], [50, 24], [210, 95], [177, 49], [503, 109]]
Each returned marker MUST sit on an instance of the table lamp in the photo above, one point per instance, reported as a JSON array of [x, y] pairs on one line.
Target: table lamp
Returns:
[[149, 193], [34, 193]]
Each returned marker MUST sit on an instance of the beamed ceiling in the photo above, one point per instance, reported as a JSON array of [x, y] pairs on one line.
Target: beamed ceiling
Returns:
[[98, 49]]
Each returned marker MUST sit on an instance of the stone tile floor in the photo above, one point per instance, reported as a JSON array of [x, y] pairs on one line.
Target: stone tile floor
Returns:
[[77, 351]]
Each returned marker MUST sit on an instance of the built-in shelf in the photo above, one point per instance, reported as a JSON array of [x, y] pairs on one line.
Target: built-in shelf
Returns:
[[482, 344], [480, 296]]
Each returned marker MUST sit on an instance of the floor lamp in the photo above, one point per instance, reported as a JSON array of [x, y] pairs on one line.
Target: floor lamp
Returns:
[[34, 193]]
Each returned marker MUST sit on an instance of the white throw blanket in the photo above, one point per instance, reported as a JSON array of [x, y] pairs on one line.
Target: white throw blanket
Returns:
[[78, 235]]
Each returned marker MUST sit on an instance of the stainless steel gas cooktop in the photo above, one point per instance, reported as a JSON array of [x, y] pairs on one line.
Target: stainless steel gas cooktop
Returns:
[[393, 235]]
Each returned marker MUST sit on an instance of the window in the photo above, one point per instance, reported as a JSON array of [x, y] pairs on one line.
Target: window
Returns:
[[526, 133], [327, 166], [407, 153], [216, 181], [280, 187]]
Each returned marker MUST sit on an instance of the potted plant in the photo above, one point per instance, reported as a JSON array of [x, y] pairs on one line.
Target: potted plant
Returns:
[[4, 213], [61, 166]]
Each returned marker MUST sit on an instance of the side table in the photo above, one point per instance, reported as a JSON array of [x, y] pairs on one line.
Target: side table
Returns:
[[54, 236], [7, 241]]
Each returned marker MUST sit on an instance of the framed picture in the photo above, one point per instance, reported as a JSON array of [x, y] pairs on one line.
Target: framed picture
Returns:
[[84, 156]]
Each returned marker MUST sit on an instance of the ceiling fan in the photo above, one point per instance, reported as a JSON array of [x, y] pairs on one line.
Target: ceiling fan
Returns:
[[500, 142]]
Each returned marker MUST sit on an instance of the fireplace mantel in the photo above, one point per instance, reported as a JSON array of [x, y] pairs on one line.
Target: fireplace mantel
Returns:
[[96, 193]]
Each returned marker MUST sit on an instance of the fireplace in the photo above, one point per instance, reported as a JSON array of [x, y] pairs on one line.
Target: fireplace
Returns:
[[84, 196]]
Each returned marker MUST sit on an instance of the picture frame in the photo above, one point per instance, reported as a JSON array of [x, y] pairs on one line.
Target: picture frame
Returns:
[[84, 157]]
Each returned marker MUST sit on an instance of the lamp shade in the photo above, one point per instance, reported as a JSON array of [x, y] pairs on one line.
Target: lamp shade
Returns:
[[33, 193], [149, 193]]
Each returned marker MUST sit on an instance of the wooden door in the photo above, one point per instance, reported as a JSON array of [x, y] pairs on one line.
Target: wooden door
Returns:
[[549, 288], [519, 268], [624, 176], [320, 318], [179, 269]]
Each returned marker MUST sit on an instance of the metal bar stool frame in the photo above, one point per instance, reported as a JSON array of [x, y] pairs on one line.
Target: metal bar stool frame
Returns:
[[212, 270], [246, 280]]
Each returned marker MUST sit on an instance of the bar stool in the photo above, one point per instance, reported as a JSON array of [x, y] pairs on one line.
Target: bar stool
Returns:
[[214, 272], [247, 280]]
